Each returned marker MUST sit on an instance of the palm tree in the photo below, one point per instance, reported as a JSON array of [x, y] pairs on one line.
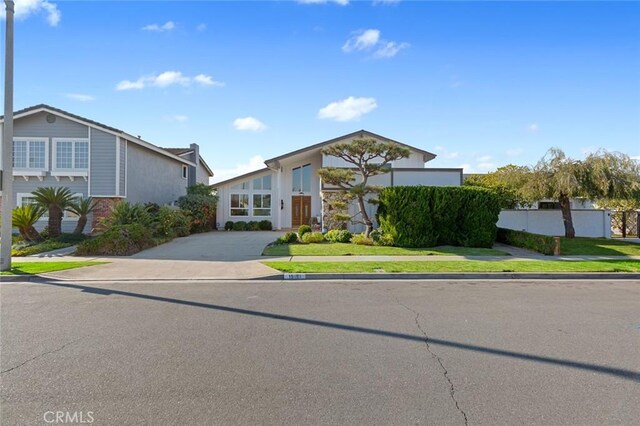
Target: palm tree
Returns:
[[24, 218], [82, 208], [56, 201]]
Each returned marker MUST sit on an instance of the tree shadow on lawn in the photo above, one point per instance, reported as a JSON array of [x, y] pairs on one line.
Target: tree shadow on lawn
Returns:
[[601, 369]]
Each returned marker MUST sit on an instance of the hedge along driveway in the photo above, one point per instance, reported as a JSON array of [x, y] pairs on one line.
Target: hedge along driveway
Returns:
[[228, 246]]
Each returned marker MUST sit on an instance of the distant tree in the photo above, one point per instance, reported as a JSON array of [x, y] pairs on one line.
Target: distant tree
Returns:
[[506, 182], [200, 189], [56, 200], [368, 157]]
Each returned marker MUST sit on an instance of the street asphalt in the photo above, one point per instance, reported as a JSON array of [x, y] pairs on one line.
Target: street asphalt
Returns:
[[311, 352]]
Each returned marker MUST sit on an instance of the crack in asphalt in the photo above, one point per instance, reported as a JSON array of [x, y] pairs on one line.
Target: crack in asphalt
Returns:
[[39, 356], [452, 389]]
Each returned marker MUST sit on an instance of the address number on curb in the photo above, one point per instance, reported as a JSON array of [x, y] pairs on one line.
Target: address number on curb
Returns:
[[295, 276]]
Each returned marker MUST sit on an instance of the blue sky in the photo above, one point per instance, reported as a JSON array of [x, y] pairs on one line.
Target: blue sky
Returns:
[[481, 84]]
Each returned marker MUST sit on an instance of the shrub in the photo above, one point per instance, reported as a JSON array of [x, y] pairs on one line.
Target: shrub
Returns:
[[202, 209], [288, 238], [24, 218], [119, 240], [541, 243], [381, 239], [312, 237], [338, 236], [170, 223], [152, 208], [253, 226], [303, 229], [361, 240], [228, 225], [125, 213], [240, 226], [265, 225], [427, 216]]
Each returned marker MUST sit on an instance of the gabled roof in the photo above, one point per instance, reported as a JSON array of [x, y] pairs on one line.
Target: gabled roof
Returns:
[[427, 156], [91, 123], [244, 176], [184, 151]]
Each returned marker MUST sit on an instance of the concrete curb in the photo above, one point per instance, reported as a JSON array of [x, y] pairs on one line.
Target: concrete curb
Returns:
[[364, 276]]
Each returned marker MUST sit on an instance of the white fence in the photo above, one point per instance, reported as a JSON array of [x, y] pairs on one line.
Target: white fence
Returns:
[[587, 223]]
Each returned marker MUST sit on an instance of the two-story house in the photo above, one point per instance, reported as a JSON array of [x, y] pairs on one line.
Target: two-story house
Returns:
[[289, 192], [55, 148]]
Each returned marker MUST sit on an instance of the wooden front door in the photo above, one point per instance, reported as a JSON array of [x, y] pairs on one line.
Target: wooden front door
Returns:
[[300, 210]]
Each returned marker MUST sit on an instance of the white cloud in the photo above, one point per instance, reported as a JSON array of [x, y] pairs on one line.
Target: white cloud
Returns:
[[167, 26], [348, 109], [166, 79], [25, 8], [514, 152], [637, 157], [362, 40], [466, 168], [483, 158], [389, 49], [249, 123], [180, 118], [207, 80], [340, 2], [80, 97], [377, 2], [485, 166], [201, 27], [255, 163], [533, 128]]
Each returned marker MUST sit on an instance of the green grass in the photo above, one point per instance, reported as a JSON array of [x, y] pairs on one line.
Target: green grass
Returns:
[[345, 249], [598, 247], [460, 266], [30, 268]]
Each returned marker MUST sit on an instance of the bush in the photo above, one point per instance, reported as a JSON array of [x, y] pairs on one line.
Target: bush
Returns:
[[152, 208], [338, 236], [171, 223], [202, 209], [265, 225], [427, 216], [125, 213], [240, 226], [288, 238], [303, 229], [541, 243], [361, 240], [253, 226], [381, 239], [312, 237], [228, 225], [119, 240]]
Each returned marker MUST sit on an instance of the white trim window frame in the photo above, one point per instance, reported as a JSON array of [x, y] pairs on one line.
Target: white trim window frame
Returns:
[[27, 166], [239, 204], [20, 196], [260, 209], [72, 167], [185, 172]]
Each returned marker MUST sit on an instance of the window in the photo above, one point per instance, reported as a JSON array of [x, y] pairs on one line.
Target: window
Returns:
[[548, 205], [262, 204], [241, 185], [239, 204], [301, 177], [184, 172], [70, 154], [262, 183], [30, 153], [28, 199]]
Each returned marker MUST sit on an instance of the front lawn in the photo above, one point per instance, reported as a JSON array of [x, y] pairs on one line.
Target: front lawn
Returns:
[[345, 249], [459, 266], [31, 268], [598, 247]]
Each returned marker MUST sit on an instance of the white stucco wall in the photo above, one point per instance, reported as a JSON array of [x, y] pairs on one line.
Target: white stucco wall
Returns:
[[427, 177], [587, 223]]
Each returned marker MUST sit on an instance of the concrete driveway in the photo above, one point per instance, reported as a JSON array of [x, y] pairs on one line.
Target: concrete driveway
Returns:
[[212, 255], [213, 246]]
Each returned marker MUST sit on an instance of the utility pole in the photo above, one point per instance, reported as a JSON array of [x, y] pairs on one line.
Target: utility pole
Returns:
[[7, 144]]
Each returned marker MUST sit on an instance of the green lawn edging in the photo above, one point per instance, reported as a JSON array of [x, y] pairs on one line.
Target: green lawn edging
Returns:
[[32, 268], [346, 249]]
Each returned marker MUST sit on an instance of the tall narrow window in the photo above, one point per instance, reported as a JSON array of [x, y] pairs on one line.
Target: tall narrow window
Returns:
[[301, 179]]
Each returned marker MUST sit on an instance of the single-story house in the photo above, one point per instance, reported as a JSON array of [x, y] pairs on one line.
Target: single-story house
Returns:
[[289, 192], [55, 148]]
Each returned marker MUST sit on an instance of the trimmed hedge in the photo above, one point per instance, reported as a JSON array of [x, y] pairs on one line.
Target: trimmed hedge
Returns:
[[428, 216], [540, 243], [312, 237], [338, 236]]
